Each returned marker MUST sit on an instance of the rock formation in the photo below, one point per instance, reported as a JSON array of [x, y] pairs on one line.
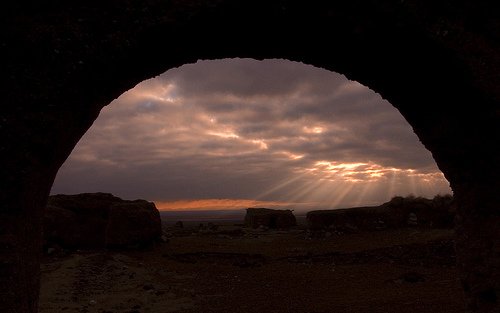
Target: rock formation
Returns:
[[274, 219], [397, 213], [98, 220]]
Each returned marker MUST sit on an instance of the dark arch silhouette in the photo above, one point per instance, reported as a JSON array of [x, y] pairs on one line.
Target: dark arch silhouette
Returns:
[[437, 62]]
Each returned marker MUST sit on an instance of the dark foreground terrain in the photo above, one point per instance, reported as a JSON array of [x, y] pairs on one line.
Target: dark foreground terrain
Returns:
[[233, 269]]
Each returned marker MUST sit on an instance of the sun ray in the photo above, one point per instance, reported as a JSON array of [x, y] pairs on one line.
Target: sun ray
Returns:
[[340, 196], [391, 184], [300, 194], [362, 194], [279, 186]]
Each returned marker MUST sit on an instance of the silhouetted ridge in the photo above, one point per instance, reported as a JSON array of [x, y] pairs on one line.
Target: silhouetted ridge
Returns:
[[397, 213]]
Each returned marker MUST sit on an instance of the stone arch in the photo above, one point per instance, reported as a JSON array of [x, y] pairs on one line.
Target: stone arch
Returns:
[[438, 64]]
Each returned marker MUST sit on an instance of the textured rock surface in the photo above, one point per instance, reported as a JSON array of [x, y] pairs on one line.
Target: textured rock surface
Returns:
[[99, 220], [438, 62], [275, 219], [133, 223], [398, 213]]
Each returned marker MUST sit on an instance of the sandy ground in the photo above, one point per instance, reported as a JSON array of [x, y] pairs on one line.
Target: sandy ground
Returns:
[[239, 270]]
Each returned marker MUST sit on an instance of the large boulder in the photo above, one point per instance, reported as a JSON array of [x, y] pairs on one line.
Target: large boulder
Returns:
[[275, 219], [99, 220], [134, 222], [397, 213]]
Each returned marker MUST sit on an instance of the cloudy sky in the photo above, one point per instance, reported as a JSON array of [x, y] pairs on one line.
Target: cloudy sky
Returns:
[[240, 133]]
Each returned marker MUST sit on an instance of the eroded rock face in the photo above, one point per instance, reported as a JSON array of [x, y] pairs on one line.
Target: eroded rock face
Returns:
[[133, 223], [100, 220], [269, 218], [398, 213]]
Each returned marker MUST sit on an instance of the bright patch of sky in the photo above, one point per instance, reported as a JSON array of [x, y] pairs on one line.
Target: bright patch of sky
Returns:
[[274, 131]]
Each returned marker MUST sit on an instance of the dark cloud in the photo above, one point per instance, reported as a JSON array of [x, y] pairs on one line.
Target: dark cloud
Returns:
[[243, 129], [251, 79]]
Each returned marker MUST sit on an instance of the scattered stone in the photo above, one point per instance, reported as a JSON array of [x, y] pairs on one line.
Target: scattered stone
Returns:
[[179, 224]]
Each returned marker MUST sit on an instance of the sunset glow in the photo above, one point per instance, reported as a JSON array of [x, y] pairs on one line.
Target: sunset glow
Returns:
[[239, 133], [217, 204]]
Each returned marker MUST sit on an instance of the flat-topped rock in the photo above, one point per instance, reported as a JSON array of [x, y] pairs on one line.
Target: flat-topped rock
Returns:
[[99, 220]]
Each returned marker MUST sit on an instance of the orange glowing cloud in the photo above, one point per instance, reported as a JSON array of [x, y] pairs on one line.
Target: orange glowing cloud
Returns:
[[215, 204], [363, 172]]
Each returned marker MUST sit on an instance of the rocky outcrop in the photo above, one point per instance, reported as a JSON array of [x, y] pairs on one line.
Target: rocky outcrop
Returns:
[[436, 213], [397, 213], [274, 219], [99, 220]]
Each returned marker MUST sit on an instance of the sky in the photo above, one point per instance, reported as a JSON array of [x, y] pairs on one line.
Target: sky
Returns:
[[237, 133]]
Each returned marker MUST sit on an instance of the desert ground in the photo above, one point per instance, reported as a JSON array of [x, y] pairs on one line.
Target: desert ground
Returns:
[[229, 268]]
